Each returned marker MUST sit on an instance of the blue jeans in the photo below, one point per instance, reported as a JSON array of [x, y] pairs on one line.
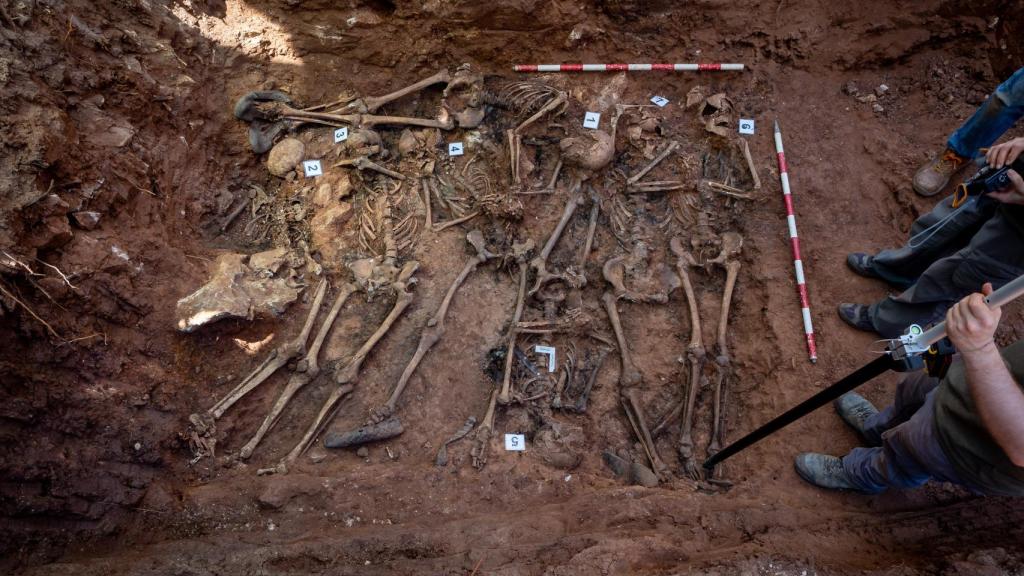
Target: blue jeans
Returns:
[[910, 453], [992, 119]]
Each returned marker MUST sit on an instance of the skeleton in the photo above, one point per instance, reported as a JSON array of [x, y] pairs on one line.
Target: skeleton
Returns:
[[370, 275], [551, 184], [482, 438], [205, 423], [731, 244], [521, 252], [276, 112], [633, 183], [595, 210], [532, 98], [442, 453], [269, 113], [476, 180], [346, 375], [565, 375], [364, 163], [630, 377], [428, 193], [355, 105], [464, 98], [431, 335], [539, 263], [381, 236], [695, 354], [570, 375], [750, 164], [305, 372]]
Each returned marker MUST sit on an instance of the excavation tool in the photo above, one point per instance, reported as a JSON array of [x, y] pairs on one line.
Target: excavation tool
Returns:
[[626, 67], [909, 352], [801, 282]]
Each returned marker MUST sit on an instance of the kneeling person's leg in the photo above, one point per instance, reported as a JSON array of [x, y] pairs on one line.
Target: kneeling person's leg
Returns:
[[910, 455]]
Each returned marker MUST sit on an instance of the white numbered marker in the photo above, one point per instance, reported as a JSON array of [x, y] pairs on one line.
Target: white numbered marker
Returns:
[[312, 168], [660, 101], [455, 149], [515, 442], [550, 351], [746, 126], [591, 120], [340, 135]]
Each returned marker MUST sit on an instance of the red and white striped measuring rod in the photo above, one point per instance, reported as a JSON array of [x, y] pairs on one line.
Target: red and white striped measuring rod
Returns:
[[624, 67], [801, 281]]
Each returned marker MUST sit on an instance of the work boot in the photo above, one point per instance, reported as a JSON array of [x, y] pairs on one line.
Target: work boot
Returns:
[[860, 263], [932, 178], [855, 410], [856, 315], [823, 471]]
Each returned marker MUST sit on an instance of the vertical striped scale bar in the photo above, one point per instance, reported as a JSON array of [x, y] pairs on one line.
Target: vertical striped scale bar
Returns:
[[801, 281], [624, 67]]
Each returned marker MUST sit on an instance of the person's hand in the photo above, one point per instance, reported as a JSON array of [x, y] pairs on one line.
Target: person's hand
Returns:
[[1014, 193], [1002, 154], [971, 324]]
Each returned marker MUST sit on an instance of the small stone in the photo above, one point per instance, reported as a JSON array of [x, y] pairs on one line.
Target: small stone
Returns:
[[343, 187], [323, 195], [881, 89], [408, 142], [363, 452], [326, 229], [993, 557], [285, 156], [851, 89], [877, 107], [642, 475], [138, 446], [867, 98], [618, 465], [86, 219]]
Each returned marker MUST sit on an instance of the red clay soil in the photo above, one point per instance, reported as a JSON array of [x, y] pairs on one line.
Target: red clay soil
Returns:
[[124, 108]]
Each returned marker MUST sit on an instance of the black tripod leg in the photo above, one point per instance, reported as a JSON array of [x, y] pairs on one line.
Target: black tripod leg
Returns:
[[861, 376]]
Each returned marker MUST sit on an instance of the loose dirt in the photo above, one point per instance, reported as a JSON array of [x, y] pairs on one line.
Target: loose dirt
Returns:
[[123, 109]]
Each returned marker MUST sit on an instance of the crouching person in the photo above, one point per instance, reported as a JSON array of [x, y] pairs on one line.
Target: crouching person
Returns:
[[967, 428]]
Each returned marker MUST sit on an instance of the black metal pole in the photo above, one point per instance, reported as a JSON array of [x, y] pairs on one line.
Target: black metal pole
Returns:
[[862, 375]]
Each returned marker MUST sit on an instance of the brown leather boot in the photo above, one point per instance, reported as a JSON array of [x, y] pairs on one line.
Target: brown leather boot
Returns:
[[932, 178]]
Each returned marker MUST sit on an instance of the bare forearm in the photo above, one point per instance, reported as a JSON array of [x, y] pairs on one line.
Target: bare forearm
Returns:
[[998, 398]]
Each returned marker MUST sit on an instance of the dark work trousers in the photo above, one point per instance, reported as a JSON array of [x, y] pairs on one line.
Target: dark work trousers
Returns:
[[908, 452], [939, 267]]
